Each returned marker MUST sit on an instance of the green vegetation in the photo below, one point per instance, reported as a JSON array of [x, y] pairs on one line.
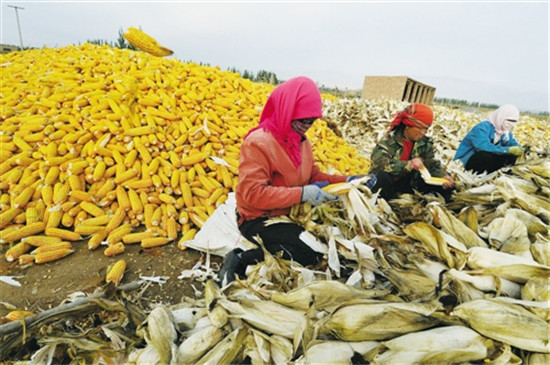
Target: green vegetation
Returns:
[[121, 42]]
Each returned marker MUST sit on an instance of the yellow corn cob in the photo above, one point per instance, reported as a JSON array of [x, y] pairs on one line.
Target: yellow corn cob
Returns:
[[20, 218], [51, 175], [55, 214], [47, 194], [48, 256], [96, 239], [115, 272], [61, 194], [187, 236], [108, 186], [193, 159], [172, 228], [116, 235], [137, 237], [23, 198], [116, 220], [135, 202], [139, 184], [88, 230], [17, 234], [154, 242], [114, 249], [92, 209], [74, 183], [17, 250], [80, 195], [26, 259], [7, 216], [51, 247], [126, 175], [97, 221], [337, 188], [67, 220], [38, 241], [123, 199], [168, 199], [63, 234]]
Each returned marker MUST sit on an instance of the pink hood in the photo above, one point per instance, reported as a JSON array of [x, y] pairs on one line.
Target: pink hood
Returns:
[[296, 98]]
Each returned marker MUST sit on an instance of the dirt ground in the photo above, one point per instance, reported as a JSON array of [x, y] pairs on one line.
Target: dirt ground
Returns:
[[45, 286]]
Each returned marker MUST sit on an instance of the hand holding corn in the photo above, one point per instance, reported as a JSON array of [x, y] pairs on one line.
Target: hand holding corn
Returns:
[[516, 150]]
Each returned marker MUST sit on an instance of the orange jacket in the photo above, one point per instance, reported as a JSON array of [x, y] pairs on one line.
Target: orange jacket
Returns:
[[269, 184]]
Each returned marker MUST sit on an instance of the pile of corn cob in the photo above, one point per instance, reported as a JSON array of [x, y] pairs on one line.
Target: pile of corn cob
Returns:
[[121, 147]]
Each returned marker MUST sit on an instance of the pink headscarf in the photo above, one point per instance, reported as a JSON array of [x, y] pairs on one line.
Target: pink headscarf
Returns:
[[297, 98], [504, 119]]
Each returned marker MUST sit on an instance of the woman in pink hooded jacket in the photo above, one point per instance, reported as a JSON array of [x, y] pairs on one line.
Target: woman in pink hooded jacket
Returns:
[[277, 171]]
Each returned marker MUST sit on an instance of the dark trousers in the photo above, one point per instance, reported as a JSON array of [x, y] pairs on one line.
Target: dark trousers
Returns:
[[487, 161], [390, 187], [275, 237]]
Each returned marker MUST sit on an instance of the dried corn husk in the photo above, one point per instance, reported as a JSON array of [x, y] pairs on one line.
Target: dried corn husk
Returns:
[[375, 320], [323, 295], [509, 323], [444, 345]]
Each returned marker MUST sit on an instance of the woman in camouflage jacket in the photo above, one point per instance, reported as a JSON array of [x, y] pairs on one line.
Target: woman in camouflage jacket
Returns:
[[405, 149]]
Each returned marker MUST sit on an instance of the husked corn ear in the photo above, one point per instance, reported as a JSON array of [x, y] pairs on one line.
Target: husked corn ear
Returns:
[[26, 259], [116, 272], [49, 256], [115, 249], [155, 241], [116, 235], [23, 198], [88, 230], [63, 234], [96, 221], [38, 241], [8, 215], [116, 219], [17, 234], [337, 188], [143, 41], [187, 236], [172, 228], [52, 247], [17, 250], [137, 237], [92, 209], [96, 239], [32, 215], [54, 216]]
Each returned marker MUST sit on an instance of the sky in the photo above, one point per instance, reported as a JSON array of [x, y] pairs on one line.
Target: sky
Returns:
[[481, 51]]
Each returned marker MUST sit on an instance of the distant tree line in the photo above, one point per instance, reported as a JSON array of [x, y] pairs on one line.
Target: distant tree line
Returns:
[[121, 42], [473, 104]]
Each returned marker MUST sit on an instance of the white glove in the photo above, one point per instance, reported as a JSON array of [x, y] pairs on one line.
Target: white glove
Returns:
[[314, 195]]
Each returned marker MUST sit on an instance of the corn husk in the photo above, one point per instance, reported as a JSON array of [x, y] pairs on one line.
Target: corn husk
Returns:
[[444, 345], [226, 350], [323, 295], [335, 352], [375, 320], [267, 316], [508, 323], [196, 345], [161, 333]]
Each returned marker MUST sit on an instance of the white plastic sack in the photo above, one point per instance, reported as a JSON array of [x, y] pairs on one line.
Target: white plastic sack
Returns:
[[220, 233]]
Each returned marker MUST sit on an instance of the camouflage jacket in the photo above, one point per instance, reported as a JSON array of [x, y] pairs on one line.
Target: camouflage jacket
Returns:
[[388, 151]]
